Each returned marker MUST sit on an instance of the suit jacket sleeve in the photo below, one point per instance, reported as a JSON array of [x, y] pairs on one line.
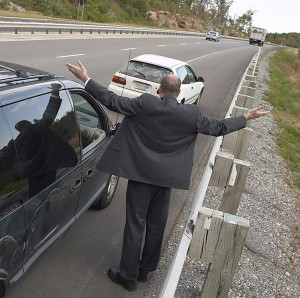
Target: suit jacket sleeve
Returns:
[[213, 127], [113, 102]]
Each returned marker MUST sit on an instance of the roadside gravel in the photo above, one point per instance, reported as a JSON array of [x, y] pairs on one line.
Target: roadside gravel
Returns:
[[270, 261]]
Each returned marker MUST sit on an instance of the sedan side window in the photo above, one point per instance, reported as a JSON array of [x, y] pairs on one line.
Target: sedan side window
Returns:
[[191, 75], [91, 123], [183, 75]]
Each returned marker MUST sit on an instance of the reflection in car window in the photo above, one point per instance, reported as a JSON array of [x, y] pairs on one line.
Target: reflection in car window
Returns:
[[10, 189], [45, 140], [145, 71], [89, 121]]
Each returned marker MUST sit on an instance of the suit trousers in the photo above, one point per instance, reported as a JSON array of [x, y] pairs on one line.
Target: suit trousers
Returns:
[[147, 209]]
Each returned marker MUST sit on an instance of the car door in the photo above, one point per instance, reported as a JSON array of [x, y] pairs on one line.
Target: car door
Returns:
[[190, 87], [94, 137], [12, 218], [48, 151]]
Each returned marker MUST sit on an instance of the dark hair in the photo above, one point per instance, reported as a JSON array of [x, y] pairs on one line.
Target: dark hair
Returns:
[[170, 84]]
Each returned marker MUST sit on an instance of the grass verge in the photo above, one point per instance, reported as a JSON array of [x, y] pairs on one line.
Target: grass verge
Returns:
[[284, 95]]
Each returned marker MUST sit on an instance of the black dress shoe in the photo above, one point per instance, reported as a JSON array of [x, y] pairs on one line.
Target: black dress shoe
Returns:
[[114, 275], [143, 276]]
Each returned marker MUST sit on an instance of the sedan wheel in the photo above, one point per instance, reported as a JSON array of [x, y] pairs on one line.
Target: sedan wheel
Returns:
[[107, 194]]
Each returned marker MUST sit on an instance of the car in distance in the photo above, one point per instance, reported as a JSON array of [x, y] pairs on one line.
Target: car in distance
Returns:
[[212, 35], [143, 74], [52, 135]]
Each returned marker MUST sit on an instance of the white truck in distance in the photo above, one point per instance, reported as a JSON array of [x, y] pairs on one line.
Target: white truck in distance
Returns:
[[257, 36]]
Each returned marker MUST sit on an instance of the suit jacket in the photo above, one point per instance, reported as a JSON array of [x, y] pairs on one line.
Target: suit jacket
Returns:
[[155, 142]]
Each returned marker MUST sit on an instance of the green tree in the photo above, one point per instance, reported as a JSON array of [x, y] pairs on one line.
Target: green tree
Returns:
[[244, 22]]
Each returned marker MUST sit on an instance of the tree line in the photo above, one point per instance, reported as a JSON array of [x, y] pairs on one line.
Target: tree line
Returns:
[[215, 12]]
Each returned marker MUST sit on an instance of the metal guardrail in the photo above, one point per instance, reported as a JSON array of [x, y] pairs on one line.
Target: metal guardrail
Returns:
[[37, 27], [171, 281], [33, 26]]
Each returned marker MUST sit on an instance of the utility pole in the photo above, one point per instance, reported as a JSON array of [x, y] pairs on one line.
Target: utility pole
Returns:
[[82, 9], [80, 3]]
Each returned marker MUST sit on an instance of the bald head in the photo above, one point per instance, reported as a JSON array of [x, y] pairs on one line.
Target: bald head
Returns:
[[169, 85]]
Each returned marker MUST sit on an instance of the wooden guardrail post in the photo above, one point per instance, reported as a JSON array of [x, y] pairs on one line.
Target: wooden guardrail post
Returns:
[[250, 78], [250, 91], [236, 184], [249, 83], [252, 71], [231, 175], [218, 239], [238, 111], [222, 169], [237, 143], [245, 101]]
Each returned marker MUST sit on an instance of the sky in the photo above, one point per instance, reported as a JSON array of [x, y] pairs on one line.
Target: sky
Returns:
[[273, 15]]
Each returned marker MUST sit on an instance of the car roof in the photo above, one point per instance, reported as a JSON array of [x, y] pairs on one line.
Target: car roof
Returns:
[[12, 73], [158, 60]]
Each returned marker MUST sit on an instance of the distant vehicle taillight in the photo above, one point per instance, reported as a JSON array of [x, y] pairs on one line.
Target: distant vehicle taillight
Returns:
[[119, 80]]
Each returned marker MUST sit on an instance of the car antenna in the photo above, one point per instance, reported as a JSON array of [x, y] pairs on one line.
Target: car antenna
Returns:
[[129, 57]]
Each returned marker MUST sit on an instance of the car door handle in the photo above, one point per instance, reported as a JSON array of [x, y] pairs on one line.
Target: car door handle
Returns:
[[76, 184], [87, 175]]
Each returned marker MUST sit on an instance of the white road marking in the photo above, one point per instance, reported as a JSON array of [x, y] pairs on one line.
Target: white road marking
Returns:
[[128, 49], [66, 56], [208, 55], [161, 45]]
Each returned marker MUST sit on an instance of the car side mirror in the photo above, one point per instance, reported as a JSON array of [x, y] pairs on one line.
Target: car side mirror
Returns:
[[114, 129], [201, 79]]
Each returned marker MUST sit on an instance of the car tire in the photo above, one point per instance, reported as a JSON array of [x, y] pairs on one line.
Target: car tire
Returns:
[[199, 97], [2, 289], [107, 194]]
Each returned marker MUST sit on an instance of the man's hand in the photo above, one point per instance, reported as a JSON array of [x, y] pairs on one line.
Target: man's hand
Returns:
[[79, 71], [255, 113]]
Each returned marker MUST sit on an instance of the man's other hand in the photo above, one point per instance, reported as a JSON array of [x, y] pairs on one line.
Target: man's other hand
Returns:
[[255, 113]]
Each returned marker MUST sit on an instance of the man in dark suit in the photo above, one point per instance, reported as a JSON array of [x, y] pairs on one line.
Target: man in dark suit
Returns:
[[153, 148]]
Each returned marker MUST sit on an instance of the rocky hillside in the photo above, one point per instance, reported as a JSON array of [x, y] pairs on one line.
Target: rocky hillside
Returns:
[[163, 18]]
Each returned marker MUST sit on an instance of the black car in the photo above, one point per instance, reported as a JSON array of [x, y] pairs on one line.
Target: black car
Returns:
[[52, 135]]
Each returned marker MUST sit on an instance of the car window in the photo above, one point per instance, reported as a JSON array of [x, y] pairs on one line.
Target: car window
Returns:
[[145, 71], [10, 189], [45, 141], [91, 121], [183, 75], [186, 74]]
